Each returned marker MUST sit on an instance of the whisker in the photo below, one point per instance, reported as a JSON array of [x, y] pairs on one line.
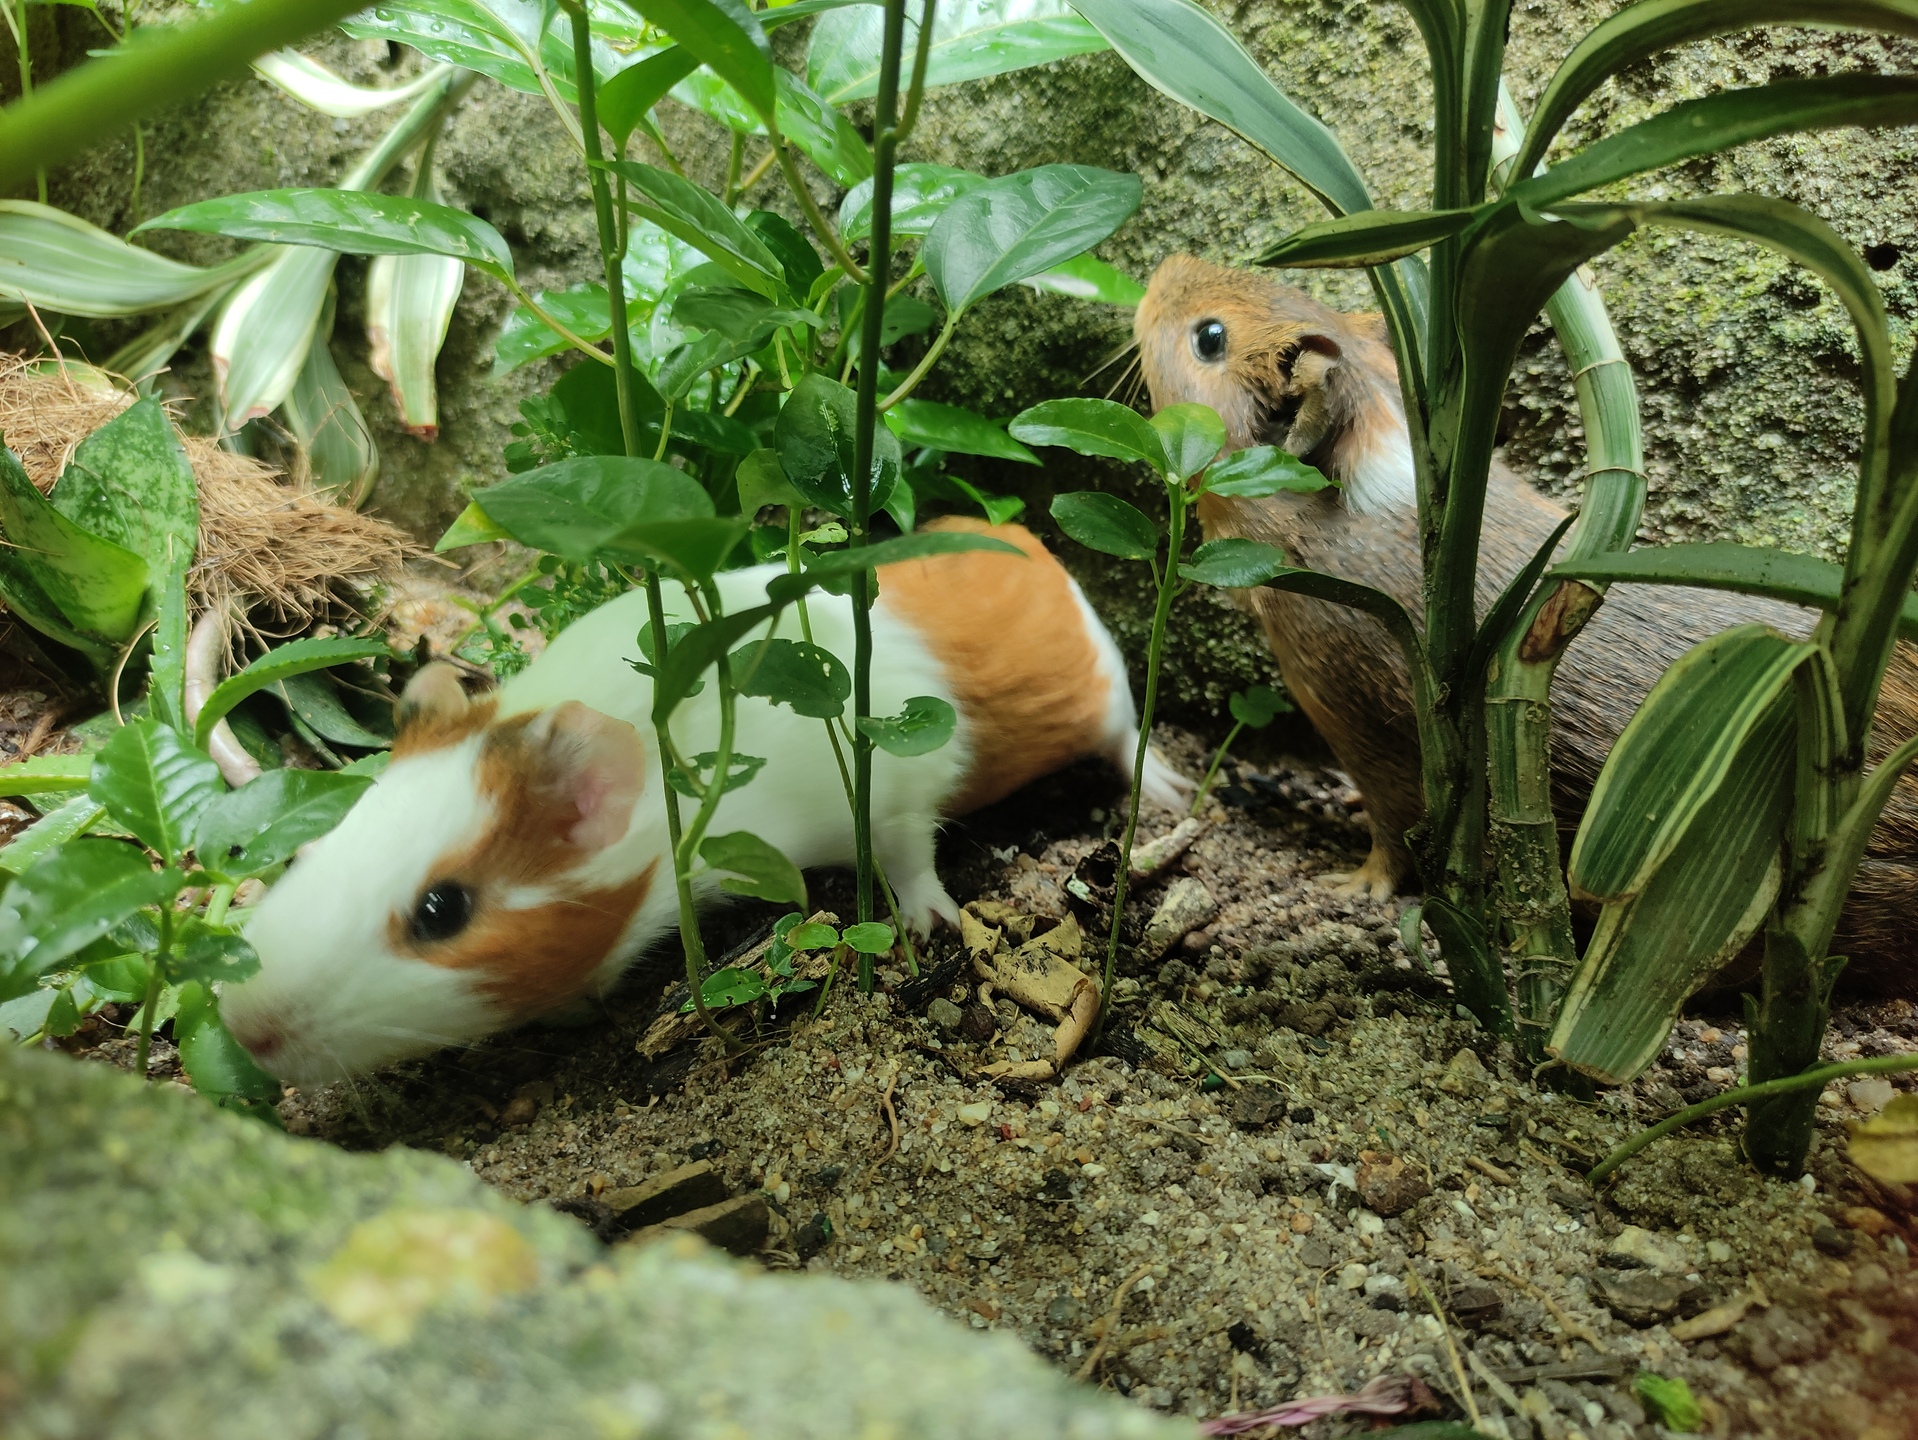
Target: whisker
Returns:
[[1131, 347]]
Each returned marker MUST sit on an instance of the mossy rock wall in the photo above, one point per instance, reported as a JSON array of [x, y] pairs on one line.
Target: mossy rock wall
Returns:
[[1746, 364]]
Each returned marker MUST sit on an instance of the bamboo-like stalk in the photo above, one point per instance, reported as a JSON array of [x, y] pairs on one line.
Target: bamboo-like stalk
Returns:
[[1533, 908]]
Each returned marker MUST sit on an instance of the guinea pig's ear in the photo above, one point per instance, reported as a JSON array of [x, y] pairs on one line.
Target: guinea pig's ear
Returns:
[[433, 696], [589, 766]]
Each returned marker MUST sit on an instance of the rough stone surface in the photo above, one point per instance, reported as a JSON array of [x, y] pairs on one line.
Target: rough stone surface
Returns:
[[1746, 364], [175, 1272]]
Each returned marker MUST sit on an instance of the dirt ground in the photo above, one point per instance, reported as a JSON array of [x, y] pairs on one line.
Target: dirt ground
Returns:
[[1290, 1168]]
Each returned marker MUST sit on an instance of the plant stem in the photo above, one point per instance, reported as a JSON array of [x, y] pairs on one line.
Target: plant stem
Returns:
[[152, 1001], [734, 157], [919, 371], [1168, 580], [1212, 773], [828, 236], [1813, 1080]]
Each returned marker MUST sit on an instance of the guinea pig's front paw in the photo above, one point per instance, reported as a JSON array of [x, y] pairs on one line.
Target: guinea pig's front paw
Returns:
[[923, 898], [1375, 880]]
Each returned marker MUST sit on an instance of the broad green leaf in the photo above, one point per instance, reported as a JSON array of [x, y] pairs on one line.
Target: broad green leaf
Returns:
[[825, 135], [315, 701], [695, 549], [26, 1016], [573, 508], [351, 222], [46, 775], [1716, 123], [409, 307], [812, 935], [727, 38], [755, 868], [816, 437], [318, 88], [472, 527], [696, 216], [761, 481], [216, 1063], [1642, 30], [59, 262], [1022, 225], [206, 953], [1257, 706], [460, 32], [920, 194], [342, 457], [808, 678], [1235, 564], [1091, 427], [869, 938], [923, 725], [628, 98], [930, 483], [971, 39], [691, 656], [683, 367], [266, 330], [21, 590], [68, 900], [155, 785], [1177, 47], [1676, 753], [738, 314], [97, 586], [1261, 470], [252, 829], [1107, 524], [525, 337], [1086, 277], [792, 250], [934, 426], [729, 986], [740, 769], [296, 657], [130, 482], [49, 832], [1367, 237], [1192, 436]]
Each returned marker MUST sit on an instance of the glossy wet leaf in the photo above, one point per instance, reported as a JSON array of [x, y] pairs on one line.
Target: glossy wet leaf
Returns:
[[1235, 563], [1257, 706], [738, 314], [216, 1063], [68, 900], [45, 775], [727, 38], [1369, 237], [921, 191], [207, 953], [352, 222], [130, 482], [1091, 427], [728, 987], [794, 251], [1192, 436], [761, 481], [924, 724], [343, 459], [96, 586], [626, 100], [252, 829], [1013, 228], [459, 32], [815, 436], [696, 216], [58, 262], [50, 831], [754, 868], [869, 938], [827, 137], [155, 785], [1086, 277], [319, 88], [971, 39], [525, 337], [1107, 524], [692, 549], [808, 678], [1262, 470], [296, 657], [684, 366], [935, 426], [574, 508]]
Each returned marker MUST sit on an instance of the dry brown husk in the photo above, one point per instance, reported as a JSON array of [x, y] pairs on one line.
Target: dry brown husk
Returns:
[[276, 556]]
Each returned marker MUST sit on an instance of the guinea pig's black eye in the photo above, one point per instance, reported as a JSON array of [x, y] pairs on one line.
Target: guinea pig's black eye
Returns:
[[442, 913], [1208, 339]]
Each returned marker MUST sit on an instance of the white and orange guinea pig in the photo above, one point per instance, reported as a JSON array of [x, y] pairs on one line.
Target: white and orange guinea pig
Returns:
[[513, 856]]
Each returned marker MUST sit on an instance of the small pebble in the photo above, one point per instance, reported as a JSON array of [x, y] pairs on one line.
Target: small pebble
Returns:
[[946, 1015], [977, 1113]]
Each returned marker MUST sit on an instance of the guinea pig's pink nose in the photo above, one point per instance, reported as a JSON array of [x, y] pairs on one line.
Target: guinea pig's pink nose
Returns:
[[262, 1042]]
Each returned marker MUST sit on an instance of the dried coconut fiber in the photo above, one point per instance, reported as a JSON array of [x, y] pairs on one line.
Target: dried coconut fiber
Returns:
[[282, 554]]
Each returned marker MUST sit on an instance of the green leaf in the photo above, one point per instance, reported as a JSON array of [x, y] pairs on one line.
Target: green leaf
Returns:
[[97, 586], [1642, 30], [626, 100], [1262, 470], [460, 32], [48, 833], [70, 899], [409, 307], [920, 194], [740, 770], [811, 936], [1178, 47], [154, 784], [584, 309], [216, 1063], [1022, 225], [971, 39], [923, 725], [1086, 277], [575, 508], [1257, 706], [811, 680], [689, 658], [756, 868], [794, 251], [57, 261], [948, 427], [727, 38], [1670, 1402], [761, 481], [20, 588], [1107, 524], [250, 830], [130, 482], [683, 367], [815, 435], [315, 701], [46, 775], [472, 527], [929, 483], [1192, 436], [266, 331], [920, 545], [1368, 237], [1091, 427], [868, 939], [325, 418], [1716, 123], [695, 549], [825, 135], [1235, 564], [297, 657], [696, 216], [728, 987], [738, 314], [352, 222], [208, 953]]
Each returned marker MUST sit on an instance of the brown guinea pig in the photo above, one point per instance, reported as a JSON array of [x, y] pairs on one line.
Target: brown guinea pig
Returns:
[[1282, 369]]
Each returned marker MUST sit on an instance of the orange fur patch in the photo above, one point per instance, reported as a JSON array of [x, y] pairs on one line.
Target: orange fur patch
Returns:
[[437, 729], [1013, 642]]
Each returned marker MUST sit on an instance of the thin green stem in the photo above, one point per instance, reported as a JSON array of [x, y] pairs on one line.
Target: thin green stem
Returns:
[[1745, 1094], [559, 328], [665, 431], [1212, 773], [734, 157], [821, 226], [152, 1001], [924, 367], [218, 900]]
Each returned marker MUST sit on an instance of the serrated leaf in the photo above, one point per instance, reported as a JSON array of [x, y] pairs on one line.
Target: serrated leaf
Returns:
[[1091, 427], [754, 868], [297, 657], [68, 900], [1235, 564], [807, 678], [1022, 225], [1107, 524], [250, 830], [971, 40], [155, 785], [924, 724]]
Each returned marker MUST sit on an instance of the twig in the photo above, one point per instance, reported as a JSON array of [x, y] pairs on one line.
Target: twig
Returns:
[[1111, 1321], [892, 1119], [1451, 1349], [119, 666], [43, 727], [1490, 1171], [1573, 1328], [46, 335]]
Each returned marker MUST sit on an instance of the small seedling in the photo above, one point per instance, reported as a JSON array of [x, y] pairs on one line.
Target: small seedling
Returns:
[[1670, 1401], [1254, 707]]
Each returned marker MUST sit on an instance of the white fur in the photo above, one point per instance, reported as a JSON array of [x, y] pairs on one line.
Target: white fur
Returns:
[[1381, 478], [1119, 741]]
